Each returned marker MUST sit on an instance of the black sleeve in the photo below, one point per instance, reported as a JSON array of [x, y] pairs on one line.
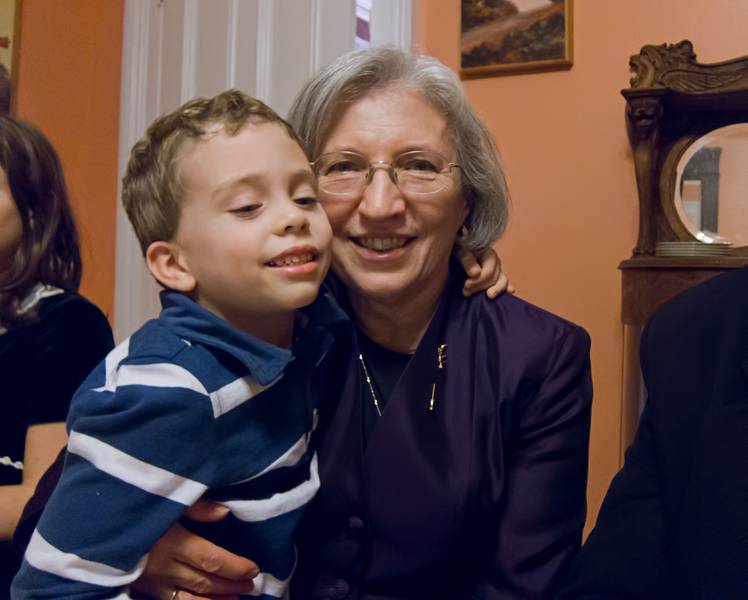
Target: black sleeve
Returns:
[[73, 339]]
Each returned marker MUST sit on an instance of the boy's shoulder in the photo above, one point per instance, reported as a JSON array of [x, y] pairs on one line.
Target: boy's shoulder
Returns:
[[154, 341], [155, 344], [156, 357]]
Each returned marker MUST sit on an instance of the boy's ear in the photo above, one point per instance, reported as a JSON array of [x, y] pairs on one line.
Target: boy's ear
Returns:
[[169, 266]]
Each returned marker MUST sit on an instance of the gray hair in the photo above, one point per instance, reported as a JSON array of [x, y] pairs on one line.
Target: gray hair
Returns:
[[357, 74]]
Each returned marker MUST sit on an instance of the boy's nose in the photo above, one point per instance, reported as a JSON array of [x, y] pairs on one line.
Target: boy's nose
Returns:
[[294, 218]]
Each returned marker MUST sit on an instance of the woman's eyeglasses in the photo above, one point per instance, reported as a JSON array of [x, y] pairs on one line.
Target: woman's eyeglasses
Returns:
[[418, 172]]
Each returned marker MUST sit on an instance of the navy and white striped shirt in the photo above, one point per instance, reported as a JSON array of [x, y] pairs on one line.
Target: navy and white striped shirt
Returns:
[[187, 406]]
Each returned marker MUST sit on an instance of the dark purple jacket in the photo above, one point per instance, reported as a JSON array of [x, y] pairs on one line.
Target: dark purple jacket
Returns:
[[484, 497]]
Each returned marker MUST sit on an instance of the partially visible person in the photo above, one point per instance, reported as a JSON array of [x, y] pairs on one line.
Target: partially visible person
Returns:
[[454, 463], [674, 523], [50, 337]]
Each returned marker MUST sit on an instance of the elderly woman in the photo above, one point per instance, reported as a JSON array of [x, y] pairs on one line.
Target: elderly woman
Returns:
[[453, 461], [454, 464]]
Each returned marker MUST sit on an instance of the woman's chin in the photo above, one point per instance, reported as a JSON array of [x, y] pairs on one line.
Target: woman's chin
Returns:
[[382, 286]]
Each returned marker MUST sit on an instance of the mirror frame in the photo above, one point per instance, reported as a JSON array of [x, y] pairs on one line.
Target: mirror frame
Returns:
[[672, 102]]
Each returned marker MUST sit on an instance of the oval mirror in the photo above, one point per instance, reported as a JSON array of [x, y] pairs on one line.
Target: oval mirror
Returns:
[[711, 195]]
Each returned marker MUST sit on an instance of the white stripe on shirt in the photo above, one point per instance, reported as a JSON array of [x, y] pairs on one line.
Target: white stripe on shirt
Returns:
[[111, 363], [265, 583], [277, 504], [236, 393], [42, 555], [289, 458], [134, 471], [164, 375]]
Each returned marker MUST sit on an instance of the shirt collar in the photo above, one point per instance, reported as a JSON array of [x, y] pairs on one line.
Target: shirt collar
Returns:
[[265, 361], [37, 293]]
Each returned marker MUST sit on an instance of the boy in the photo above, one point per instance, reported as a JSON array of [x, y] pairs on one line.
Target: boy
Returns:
[[217, 396]]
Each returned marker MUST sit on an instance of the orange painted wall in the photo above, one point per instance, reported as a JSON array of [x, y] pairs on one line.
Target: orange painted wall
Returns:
[[68, 87], [563, 141]]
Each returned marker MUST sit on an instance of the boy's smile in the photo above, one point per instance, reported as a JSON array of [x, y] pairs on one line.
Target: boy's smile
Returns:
[[299, 259], [252, 239]]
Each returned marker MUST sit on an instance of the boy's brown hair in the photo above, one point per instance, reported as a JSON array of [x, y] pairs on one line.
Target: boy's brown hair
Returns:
[[151, 187]]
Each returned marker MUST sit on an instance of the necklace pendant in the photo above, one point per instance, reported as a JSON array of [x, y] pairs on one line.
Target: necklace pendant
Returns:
[[441, 363], [370, 384], [441, 356]]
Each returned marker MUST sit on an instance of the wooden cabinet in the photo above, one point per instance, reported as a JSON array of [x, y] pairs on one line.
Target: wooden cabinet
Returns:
[[673, 103]]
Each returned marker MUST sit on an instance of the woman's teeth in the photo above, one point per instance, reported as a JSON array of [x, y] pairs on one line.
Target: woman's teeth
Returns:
[[296, 259], [382, 243]]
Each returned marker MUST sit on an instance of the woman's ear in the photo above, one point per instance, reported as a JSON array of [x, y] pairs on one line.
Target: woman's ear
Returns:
[[168, 265]]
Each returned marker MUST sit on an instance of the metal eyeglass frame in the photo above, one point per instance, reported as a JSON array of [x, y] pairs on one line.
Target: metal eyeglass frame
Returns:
[[387, 166]]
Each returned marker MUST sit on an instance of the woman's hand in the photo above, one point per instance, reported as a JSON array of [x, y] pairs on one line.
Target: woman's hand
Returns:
[[183, 561], [484, 273]]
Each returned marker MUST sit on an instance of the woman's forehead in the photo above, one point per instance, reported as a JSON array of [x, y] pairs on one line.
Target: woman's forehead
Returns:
[[393, 117]]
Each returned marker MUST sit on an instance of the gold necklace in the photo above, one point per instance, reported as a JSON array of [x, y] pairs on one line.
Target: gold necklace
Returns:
[[371, 385]]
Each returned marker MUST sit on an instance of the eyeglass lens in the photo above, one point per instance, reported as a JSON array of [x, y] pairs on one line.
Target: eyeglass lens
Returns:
[[416, 172]]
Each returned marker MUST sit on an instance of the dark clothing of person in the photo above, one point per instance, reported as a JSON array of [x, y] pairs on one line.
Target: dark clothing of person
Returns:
[[481, 497], [42, 362], [385, 367], [674, 523]]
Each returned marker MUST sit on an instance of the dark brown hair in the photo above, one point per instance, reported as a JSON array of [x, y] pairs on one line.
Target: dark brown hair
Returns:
[[151, 189], [49, 251]]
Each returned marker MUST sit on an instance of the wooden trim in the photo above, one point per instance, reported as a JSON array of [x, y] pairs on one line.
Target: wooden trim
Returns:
[[265, 18], [15, 55], [134, 289]]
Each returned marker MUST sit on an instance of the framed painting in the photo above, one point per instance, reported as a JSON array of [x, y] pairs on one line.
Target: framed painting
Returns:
[[10, 28], [501, 37]]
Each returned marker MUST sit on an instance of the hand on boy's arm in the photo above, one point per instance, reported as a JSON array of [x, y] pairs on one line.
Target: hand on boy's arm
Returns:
[[183, 561], [484, 273]]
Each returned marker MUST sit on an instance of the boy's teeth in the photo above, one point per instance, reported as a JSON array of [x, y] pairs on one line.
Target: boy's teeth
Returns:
[[296, 259], [382, 243]]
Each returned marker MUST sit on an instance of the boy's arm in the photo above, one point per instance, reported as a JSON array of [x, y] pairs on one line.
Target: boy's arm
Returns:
[[180, 559], [113, 500], [483, 273]]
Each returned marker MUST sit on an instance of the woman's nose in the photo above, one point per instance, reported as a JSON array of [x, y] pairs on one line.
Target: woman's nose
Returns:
[[381, 199]]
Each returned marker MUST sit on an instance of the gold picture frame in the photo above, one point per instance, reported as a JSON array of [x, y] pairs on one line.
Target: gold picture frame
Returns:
[[10, 31], [503, 37]]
